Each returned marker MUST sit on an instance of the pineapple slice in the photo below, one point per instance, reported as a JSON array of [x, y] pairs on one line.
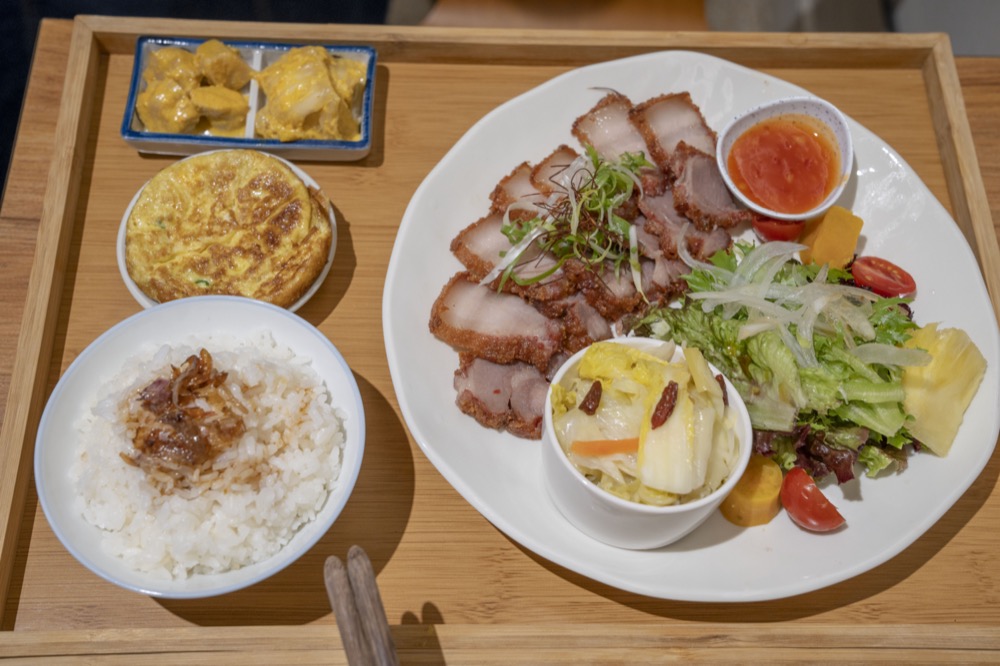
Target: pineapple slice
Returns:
[[937, 394]]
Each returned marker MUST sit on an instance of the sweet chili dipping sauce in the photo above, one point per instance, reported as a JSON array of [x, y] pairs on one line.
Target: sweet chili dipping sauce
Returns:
[[789, 163]]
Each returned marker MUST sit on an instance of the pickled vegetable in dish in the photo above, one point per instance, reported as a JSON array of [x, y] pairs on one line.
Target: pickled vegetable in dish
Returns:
[[198, 92], [310, 95], [165, 106], [172, 63], [222, 65], [789, 163], [643, 427], [223, 109]]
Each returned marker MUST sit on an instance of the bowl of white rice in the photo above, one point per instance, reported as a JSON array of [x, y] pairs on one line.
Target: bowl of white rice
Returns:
[[266, 493]]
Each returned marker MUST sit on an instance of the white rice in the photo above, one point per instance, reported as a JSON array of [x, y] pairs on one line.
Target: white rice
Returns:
[[275, 480]]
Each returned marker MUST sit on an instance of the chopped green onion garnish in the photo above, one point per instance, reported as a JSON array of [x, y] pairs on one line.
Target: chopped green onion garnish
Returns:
[[582, 225]]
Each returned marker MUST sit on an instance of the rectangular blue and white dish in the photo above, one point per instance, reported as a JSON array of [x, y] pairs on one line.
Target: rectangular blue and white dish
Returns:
[[258, 55]]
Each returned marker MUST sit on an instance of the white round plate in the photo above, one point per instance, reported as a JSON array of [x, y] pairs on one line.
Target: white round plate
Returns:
[[500, 475], [145, 301], [174, 323]]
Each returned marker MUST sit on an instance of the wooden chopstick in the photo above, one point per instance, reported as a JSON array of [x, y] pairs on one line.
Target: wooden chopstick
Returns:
[[352, 635], [370, 608], [357, 607]]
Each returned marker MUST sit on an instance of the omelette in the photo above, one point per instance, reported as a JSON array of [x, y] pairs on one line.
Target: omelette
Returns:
[[236, 222]]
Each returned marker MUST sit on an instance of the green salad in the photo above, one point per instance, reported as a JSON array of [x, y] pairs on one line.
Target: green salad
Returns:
[[818, 361]]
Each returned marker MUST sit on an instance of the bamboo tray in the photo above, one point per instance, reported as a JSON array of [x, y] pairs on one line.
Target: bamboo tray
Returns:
[[453, 586]]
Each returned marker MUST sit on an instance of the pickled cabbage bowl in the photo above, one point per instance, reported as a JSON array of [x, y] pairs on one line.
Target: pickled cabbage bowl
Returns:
[[642, 440]]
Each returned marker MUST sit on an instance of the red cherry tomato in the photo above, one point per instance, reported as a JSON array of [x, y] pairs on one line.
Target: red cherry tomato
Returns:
[[806, 504], [777, 230], [882, 276]]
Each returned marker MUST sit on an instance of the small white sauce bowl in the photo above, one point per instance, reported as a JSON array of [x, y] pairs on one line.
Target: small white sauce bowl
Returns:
[[806, 106], [619, 522]]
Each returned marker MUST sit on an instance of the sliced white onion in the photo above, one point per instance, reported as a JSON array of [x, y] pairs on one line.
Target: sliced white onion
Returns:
[[805, 357], [565, 179], [853, 318], [810, 314], [739, 297], [877, 352], [512, 255], [633, 258], [749, 330], [685, 255], [780, 250]]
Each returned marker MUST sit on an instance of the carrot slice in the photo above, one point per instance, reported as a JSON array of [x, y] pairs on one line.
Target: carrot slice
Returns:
[[604, 447]]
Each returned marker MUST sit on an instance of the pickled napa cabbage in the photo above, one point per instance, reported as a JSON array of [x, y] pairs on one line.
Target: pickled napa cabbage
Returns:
[[686, 457]]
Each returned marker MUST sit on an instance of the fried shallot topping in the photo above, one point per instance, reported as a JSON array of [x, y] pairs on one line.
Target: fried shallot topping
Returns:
[[183, 422]]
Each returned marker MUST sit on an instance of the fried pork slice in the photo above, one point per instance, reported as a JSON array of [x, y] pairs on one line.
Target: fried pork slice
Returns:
[[482, 244], [664, 222], [582, 323], [552, 175], [654, 182], [661, 273], [516, 187], [612, 293], [649, 243], [499, 327], [502, 396], [608, 129], [661, 279], [700, 193], [667, 120]]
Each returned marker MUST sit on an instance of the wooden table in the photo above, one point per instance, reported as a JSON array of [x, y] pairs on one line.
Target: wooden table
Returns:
[[456, 590]]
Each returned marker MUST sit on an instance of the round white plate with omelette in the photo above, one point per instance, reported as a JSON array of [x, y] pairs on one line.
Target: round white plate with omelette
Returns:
[[184, 322], [500, 475], [145, 301]]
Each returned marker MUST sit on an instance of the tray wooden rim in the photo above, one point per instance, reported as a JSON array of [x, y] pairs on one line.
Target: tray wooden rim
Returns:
[[94, 36], [558, 642]]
